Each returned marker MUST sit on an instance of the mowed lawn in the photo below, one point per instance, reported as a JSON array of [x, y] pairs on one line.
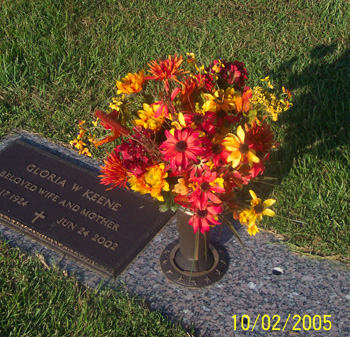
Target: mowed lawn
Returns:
[[59, 61]]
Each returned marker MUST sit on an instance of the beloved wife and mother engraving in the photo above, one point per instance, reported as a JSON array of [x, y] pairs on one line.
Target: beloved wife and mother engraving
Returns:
[[66, 207]]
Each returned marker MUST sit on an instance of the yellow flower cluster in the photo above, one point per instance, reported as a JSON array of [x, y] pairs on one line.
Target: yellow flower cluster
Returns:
[[117, 102], [191, 59], [264, 100], [78, 142], [147, 119]]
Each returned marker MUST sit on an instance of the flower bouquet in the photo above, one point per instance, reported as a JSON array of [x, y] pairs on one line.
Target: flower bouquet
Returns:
[[192, 138]]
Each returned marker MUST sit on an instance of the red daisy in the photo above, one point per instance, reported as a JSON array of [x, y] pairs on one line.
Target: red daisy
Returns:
[[204, 217], [206, 185], [259, 168], [196, 168], [259, 138], [216, 153], [181, 147], [201, 121]]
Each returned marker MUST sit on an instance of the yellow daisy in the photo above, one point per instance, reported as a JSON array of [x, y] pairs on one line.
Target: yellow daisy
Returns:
[[238, 149], [259, 208]]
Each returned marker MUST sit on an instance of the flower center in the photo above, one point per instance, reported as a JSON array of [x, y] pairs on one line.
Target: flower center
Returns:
[[202, 213], [205, 186], [219, 100], [198, 119], [217, 149], [181, 146], [259, 208], [221, 113], [243, 148]]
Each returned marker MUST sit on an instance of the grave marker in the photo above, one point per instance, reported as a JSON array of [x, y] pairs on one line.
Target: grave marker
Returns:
[[66, 207]]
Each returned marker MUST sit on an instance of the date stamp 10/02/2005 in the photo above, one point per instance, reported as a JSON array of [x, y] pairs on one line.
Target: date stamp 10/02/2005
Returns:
[[274, 323]]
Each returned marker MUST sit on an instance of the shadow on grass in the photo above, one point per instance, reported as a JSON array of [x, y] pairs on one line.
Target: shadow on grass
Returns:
[[312, 163], [319, 122]]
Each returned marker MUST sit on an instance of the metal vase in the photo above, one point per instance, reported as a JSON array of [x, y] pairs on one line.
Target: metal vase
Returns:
[[194, 253], [192, 261]]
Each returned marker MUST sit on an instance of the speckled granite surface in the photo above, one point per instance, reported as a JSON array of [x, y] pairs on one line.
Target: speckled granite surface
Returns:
[[306, 286]]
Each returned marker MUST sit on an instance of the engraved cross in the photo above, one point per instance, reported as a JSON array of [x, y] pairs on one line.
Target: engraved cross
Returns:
[[39, 215]]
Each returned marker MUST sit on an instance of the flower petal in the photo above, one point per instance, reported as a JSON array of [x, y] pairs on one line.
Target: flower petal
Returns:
[[252, 230], [174, 93], [240, 134], [253, 195], [268, 212], [268, 202], [214, 198]]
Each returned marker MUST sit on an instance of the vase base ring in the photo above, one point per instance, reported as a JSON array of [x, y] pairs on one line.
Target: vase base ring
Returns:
[[194, 279]]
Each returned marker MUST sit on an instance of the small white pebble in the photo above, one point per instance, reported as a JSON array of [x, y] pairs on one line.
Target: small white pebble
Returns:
[[252, 285], [277, 271]]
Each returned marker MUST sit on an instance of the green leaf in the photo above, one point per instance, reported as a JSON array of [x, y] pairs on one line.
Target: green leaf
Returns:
[[163, 208], [174, 207], [168, 203]]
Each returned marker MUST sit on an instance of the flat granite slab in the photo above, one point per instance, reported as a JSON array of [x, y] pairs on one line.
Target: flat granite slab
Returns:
[[306, 287]]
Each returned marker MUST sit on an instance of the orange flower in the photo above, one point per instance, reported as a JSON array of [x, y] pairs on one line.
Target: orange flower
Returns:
[[153, 182], [131, 83], [181, 187], [110, 123], [189, 92], [242, 101], [113, 124], [166, 69], [239, 150], [113, 172]]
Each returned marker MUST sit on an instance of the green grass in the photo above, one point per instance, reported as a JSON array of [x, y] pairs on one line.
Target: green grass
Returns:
[[59, 61], [39, 301]]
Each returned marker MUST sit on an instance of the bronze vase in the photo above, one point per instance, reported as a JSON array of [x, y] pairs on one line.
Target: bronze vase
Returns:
[[192, 261]]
